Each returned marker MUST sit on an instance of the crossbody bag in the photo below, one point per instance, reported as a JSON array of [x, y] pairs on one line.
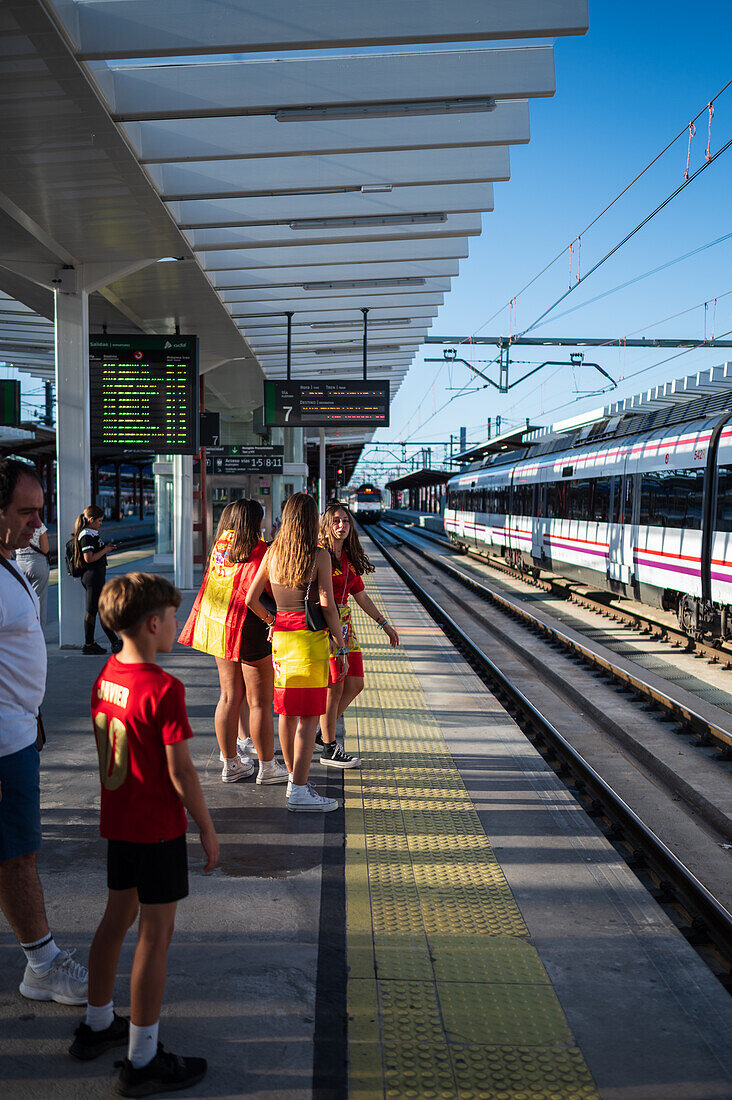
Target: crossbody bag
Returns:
[[41, 733]]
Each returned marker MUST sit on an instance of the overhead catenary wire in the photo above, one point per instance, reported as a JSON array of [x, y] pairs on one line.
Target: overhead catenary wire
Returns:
[[612, 203]]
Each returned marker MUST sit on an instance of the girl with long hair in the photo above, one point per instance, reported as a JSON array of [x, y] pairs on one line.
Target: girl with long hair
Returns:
[[221, 624], [90, 561], [295, 567], [349, 564]]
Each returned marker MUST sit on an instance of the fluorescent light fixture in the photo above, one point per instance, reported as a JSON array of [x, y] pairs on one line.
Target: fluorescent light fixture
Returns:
[[170, 259], [366, 222], [364, 284], [386, 110], [375, 188], [377, 348], [359, 324]]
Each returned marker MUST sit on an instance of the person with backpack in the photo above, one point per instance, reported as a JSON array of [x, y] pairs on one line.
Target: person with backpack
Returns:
[[88, 555]]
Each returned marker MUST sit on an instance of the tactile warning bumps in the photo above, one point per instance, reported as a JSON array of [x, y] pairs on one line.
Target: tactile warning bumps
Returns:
[[447, 997]]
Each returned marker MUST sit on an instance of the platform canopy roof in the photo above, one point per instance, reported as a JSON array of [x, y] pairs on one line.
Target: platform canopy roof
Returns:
[[420, 479], [218, 166]]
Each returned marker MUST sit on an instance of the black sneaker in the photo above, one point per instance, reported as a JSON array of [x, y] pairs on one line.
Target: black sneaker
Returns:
[[319, 737], [333, 756], [166, 1073], [117, 645], [90, 1044], [93, 648]]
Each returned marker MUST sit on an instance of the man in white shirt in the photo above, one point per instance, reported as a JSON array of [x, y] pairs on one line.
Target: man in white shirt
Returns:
[[50, 974]]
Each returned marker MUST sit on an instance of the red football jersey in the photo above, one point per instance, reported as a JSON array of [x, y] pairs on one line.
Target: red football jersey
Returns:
[[137, 710], [345, 581]]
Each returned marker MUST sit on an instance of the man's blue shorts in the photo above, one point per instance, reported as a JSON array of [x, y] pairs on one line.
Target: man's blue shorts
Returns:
[[20, 805]]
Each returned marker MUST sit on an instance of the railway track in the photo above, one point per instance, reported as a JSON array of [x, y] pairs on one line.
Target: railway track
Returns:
[[692, 718], [649, 821], [644, 622]]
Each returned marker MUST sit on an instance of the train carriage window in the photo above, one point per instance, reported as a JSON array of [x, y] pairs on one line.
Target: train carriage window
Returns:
[[724, 498], [601, 503], [626, 495], [616, 486], [579, 499], [672, 498]]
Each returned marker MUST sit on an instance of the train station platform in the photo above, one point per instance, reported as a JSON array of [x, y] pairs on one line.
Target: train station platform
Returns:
[[461, 930]]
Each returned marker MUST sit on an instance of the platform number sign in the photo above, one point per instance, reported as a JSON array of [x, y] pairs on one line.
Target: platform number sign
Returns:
[[315, 403], [143, 394]]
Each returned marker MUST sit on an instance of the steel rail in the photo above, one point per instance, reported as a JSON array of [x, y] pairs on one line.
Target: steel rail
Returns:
[[703, 727], [706, 912]]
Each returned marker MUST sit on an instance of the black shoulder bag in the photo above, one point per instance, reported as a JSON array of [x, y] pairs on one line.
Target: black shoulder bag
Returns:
[[314, 617], [41, 734]]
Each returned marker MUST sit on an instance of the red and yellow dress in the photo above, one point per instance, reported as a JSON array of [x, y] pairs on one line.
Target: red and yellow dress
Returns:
[[300, 657], [218, 623], [345, 582]]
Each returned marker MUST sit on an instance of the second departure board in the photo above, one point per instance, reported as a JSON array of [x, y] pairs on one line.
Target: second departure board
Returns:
[[143, 393], [326, 404]]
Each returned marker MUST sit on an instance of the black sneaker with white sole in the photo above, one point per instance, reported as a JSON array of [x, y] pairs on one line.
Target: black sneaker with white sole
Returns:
[[90, 1044], [166, 1073], [333, 756]]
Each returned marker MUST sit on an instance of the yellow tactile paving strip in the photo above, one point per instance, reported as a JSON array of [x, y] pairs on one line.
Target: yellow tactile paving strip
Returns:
[[447, 998]]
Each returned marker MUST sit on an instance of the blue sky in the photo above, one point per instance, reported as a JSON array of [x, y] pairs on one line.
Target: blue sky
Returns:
[[623, 91]]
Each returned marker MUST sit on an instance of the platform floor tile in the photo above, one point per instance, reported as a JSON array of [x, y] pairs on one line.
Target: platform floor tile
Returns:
[[447, 997]]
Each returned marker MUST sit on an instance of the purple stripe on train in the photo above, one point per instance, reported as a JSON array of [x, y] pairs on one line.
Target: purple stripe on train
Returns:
[[693, 572]]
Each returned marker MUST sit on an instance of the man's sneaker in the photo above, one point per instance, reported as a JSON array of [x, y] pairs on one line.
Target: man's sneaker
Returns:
[[333, 756], [93, 648], [166, 1073], [65, 982], [234, 770], [246, 747], [117, 645], [90, 1044], [273, 772], [306, 800]]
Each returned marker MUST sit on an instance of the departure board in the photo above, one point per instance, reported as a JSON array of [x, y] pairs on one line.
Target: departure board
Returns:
[[143, 393], [307, 403]]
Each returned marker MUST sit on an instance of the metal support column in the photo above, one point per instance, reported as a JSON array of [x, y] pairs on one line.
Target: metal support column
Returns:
[[365, 312], [183, 520], [73, 454], [321, 484], [289, 345]]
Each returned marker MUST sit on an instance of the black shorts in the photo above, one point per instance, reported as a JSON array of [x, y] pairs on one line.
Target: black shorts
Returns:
[[159, 872], [254, 644]]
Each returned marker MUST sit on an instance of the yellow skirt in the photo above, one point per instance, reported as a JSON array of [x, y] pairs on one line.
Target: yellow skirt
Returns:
[[300, 659]]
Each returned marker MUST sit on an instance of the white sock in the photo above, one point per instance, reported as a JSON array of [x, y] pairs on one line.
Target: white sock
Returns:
[[233, 759], [299, 786], [143, 1044], [41, 953], [267, 765], [99, 1017]]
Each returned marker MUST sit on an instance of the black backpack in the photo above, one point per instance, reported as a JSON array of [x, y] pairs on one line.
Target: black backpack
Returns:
[[72, 569]]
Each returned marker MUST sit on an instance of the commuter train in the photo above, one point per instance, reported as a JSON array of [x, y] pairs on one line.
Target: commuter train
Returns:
[[366, 504], [640, 505]]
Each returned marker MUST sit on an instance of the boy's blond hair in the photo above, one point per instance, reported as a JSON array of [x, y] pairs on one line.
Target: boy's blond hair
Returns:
[[126, 601]]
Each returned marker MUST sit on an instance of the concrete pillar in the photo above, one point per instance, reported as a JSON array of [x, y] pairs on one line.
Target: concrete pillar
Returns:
[[183, 520], [73, 492], [321, 486]]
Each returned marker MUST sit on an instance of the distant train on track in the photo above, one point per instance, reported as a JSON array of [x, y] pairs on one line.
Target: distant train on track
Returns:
[[640, 505], [366, 503]]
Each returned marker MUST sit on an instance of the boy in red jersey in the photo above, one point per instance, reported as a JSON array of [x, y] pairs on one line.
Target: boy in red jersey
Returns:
[[147, 775]]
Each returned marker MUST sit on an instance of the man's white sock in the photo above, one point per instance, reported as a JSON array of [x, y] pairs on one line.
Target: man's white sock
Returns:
[[99, 1017]]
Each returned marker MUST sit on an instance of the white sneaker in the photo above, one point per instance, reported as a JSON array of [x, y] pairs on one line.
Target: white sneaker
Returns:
[[272, 772], [245, 749], [64, 982], [289, 788], [307, 800], [235, 770]]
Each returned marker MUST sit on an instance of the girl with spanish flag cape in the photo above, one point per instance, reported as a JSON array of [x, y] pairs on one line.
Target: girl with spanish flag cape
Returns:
[[349, 563], [295, 566], [220, 624]]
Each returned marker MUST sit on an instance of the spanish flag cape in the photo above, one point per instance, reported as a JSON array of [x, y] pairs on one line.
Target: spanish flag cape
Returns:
[[216, 621]]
